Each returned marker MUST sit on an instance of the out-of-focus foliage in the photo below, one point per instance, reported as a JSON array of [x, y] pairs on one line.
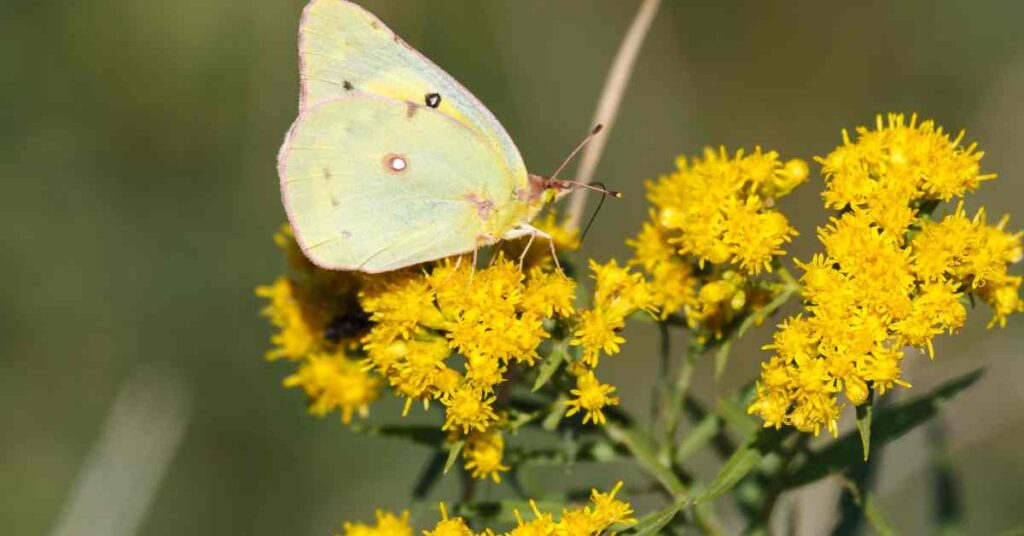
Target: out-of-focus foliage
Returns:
[[137, 156]]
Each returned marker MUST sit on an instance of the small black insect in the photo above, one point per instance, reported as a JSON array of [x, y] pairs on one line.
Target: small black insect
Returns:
[[348, 86], [346, 325], [433, 99]]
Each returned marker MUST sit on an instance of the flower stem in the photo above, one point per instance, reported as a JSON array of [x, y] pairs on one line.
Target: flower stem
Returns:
[[608, 105]]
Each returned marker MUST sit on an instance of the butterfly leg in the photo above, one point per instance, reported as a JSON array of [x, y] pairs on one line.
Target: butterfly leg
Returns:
[[472, 268], [532, 232], [522, 256], [455, 269]]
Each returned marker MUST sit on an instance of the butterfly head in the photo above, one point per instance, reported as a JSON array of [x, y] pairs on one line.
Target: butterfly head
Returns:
[[545, 189]]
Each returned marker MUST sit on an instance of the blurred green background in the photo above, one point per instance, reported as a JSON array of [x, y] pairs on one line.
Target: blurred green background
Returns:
[[137, 157]]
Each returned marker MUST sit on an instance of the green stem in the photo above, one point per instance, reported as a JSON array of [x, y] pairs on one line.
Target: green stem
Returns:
[[788, 278], [775, 484], [659, 398], [675, 402]]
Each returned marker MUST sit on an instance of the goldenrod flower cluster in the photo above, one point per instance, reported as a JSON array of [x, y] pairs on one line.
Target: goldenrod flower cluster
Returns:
[[327, 371], [890, 276], [618, 293], [491, 319], [592, 520], [712, 230], [446, 332]]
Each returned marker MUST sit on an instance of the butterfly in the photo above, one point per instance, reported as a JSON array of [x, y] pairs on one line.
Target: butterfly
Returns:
[[392, 162]]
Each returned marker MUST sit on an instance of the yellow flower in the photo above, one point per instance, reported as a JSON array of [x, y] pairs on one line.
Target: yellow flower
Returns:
[[1004, 298], [333, 381], [388, 524], [598, 332], [919, 161], [449, 527], [755, 236], [673, 286], [618, 293], [608, 510], [301, 325], [717, 209], [651, 246], [423, 372], [889, 277], [541, 525], [491, 317], [549, 294], [483, 453], [591, 397], [591, 521], [467, 408]]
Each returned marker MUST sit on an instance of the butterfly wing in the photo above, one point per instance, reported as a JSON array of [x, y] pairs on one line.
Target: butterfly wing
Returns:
[[375, 184], [343, 48]]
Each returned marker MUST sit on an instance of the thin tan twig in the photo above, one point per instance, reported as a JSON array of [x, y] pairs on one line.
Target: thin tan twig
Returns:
[[608, 105]]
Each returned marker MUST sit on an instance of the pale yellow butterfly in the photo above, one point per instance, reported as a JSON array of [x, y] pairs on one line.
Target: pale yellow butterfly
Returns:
[[391, 162]]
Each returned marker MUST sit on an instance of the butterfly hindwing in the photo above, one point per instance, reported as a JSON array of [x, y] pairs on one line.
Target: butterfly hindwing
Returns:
[[375, 184]]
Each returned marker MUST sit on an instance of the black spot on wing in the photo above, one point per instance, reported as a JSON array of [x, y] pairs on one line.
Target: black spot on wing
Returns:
[[432, 99], [348, 86]]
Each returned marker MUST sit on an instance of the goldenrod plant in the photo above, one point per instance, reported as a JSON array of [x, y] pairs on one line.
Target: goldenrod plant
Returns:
[[508, 349]]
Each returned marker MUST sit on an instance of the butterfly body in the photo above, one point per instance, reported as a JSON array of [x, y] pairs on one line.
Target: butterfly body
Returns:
[[391, 162]]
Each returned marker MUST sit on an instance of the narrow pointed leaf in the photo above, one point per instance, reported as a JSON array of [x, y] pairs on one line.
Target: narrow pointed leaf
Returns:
[[697, 437], [876, 517], [425, 435], [653, 523], [549, 366], [888, 424], [735, 415], [644, 452], [864, 412], [453, 454], [722, 358], [555, 415], [741, 463]]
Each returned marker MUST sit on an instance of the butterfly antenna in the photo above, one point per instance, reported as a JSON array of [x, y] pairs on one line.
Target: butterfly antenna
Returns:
[[594, 215], [576, 151], [601, 190]]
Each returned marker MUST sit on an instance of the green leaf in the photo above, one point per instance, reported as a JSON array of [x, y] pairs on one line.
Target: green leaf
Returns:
[[654, 522], [888, 424], [644, 452], [453, 454], [947, 495], [431, 436], [430, 475], [872, 513], [722, 358], [556, 413], [741, 463], [698, 436], [550, 366], [864, 412], [876, 517], [735, 415]]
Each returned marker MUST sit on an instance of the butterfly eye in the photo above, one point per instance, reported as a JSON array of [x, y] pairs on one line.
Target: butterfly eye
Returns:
[[395, 163]]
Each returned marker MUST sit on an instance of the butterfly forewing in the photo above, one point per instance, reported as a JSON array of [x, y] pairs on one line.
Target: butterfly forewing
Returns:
[[343, 48]]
